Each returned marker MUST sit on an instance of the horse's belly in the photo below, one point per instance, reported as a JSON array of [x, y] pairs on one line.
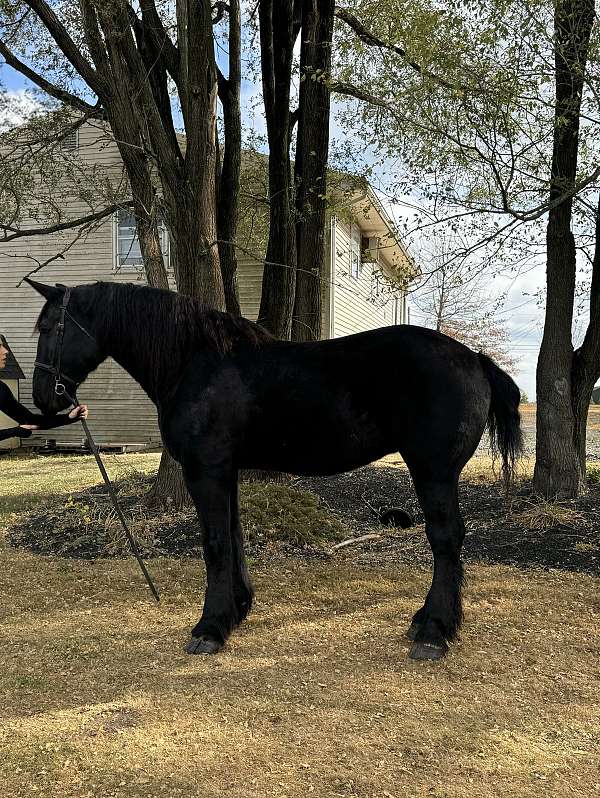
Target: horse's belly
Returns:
[[319, 451]]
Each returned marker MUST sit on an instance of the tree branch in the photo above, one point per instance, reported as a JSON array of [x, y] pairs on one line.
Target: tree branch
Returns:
[[349, 90], [119, 38], [589, 351], [59, 94], [223, 85], [61, 36], [374, 41], [294, 116], [94, 39], [220, 8], [150, 49], [10, 233], [155, 30]]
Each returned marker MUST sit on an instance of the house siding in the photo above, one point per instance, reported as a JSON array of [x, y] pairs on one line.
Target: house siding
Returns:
[[355, 305], [250, 274]]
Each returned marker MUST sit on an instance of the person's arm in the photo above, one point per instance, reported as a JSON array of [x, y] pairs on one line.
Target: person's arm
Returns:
[[14, 432], [18, 412]]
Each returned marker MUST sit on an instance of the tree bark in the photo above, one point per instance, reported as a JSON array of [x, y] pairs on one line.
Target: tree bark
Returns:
[[278, 32], [168, 490], [560, 467], [229, 183], [586, 360], [312, 151]]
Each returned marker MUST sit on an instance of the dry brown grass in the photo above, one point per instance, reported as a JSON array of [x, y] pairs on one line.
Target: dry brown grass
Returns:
[[528, 410], [28, 478], [540, 514], [314, 694], [481, 468]]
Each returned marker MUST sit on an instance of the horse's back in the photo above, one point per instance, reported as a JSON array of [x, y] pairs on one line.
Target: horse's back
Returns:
[[333, 405]]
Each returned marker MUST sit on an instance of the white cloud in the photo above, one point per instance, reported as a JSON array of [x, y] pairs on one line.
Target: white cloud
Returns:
[[16, 107]]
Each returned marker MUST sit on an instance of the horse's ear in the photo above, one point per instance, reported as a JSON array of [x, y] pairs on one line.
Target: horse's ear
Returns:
[[49, 292]]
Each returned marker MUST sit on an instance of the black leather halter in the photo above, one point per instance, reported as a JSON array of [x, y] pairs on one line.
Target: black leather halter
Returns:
[[56, 367]]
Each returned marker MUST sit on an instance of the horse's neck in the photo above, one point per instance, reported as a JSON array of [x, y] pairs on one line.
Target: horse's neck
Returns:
[[136, 369], [137, 360]]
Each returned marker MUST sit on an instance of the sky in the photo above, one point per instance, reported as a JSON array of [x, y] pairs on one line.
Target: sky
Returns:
[[521, 312]]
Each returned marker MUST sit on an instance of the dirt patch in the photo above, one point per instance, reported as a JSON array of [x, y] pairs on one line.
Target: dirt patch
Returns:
[[310, 515]]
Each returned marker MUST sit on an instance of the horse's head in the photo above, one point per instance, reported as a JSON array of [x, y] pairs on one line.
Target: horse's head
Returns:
[[67, 349]]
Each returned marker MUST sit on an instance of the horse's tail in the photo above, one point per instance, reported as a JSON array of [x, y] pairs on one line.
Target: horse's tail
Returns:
[[504, 421]]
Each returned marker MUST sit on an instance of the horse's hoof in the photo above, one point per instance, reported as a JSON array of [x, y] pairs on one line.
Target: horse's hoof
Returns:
[[427, 651], [413, 631], [203, 645]]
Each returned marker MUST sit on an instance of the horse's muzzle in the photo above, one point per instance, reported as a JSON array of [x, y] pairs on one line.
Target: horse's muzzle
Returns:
[[44, 394]]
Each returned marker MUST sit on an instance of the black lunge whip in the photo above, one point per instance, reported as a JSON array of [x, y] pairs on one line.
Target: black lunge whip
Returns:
[[134, 548]]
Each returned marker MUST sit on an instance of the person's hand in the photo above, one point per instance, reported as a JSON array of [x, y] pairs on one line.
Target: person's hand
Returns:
[[28, 426], [79, 412]]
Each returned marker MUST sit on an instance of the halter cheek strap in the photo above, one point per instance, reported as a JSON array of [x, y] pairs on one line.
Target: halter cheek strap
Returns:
[[56, 368]]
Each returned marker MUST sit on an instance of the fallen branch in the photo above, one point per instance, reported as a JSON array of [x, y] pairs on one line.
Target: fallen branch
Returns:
[[352, 541]]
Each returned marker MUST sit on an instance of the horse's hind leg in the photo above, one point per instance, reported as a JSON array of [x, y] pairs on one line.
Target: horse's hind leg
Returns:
[[243, 591], [437, 622]]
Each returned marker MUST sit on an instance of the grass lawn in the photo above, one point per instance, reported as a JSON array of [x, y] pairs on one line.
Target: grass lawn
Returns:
[[313, 695]]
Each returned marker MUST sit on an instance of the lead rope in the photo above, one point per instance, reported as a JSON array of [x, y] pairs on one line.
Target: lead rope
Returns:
[[133, 545]]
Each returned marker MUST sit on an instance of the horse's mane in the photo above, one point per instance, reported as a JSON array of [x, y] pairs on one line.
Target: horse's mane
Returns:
[[180, 325]]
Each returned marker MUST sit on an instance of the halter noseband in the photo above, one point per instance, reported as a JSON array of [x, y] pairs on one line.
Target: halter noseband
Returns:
[[55, 369]]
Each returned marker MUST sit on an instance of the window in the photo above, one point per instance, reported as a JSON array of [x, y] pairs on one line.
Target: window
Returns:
[[355, 254], [128, 255], [354, 263], [70, 142]]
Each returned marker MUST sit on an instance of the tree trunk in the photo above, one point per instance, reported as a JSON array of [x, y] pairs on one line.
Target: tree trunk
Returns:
[[312, 150], [191, 211], [229, 184], [194, 253], [277, 36], [558, 469], [586, 360], [168, 490], [582, 385]]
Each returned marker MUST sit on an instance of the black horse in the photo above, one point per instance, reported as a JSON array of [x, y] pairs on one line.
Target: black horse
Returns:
[[230, 396]]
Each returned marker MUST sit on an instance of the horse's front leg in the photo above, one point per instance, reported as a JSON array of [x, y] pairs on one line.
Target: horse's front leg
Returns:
[[211, 495]]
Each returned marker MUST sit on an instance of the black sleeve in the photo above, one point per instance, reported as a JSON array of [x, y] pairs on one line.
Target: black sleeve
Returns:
[[20, 414], [14, 432]]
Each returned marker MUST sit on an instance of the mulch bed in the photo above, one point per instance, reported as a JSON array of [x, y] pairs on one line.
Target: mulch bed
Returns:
[[493, 533], [498, 530]]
